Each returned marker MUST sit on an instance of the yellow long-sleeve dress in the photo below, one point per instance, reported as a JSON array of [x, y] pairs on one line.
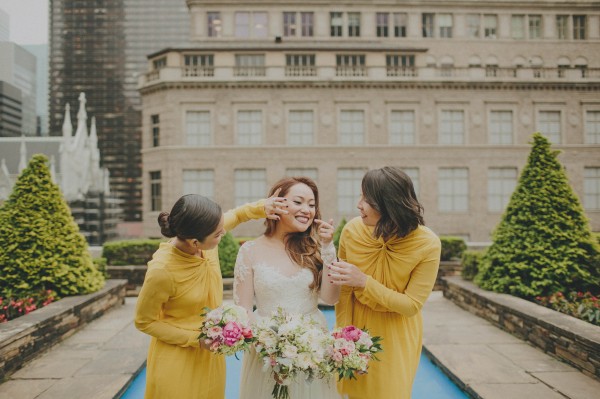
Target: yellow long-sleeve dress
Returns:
[[176, 289], [402, 273]]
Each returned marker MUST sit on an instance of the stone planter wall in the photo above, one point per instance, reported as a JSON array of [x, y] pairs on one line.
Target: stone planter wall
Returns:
[[24, 338], [571, 340], [134, 274], [448, 268]]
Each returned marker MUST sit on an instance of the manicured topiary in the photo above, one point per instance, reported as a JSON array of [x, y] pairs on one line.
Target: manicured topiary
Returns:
[[228, 250], [470, 264], [543, 243], [40, 244]]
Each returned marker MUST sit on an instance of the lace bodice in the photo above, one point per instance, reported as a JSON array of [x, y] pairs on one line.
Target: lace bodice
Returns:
[[270, 282]]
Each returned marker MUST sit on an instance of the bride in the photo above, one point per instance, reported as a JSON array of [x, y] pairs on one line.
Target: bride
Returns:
[[284, 268]]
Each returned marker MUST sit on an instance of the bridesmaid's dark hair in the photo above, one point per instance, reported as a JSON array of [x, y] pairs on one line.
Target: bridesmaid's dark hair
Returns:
[[302, 247], [390, 192], [192, 216]]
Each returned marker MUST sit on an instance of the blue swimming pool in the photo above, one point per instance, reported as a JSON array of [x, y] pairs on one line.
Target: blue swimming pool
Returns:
[[430, 383]]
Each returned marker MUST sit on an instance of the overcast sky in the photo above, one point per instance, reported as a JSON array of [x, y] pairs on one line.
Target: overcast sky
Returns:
[[28, 20]]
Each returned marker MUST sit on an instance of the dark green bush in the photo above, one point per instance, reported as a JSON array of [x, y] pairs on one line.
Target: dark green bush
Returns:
[[100, 264], [470, 263], [452, 247], [228, 250], [338, 233], [543, 243], [41, 248], [130, 252]]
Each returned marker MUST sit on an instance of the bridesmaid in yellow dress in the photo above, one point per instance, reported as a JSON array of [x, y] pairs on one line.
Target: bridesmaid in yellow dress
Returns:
[[183, 277], [387, 269]]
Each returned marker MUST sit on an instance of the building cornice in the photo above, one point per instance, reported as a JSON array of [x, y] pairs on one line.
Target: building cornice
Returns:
[[420, 85]]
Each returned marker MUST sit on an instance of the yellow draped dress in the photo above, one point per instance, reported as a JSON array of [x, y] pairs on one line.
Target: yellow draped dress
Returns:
[[402, 273], [176, 289]]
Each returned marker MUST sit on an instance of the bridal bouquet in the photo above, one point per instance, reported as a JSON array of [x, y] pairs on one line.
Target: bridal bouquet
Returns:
[[226, 329], [290, 345], [351, 350]]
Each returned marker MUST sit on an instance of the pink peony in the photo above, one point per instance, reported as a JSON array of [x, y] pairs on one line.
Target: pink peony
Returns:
[[232, 333], [351, 333]]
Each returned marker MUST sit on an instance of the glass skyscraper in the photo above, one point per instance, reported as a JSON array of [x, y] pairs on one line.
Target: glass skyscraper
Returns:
[[99, 47]]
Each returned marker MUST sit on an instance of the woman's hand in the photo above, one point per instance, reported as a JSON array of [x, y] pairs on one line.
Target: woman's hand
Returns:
[[344, 273], [325, 231], [275, 206]]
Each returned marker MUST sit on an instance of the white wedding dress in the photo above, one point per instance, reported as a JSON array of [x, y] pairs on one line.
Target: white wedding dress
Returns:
[[264, 277]]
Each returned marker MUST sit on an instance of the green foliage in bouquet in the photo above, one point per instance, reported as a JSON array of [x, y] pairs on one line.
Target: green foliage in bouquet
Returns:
[[543, 243], [228, 250], [40, 245], [338, 232]]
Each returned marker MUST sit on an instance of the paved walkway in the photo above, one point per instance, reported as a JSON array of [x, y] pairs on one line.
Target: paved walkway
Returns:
[[97, 362]]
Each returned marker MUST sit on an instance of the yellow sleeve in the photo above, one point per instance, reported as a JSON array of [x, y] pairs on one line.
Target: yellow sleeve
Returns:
[[155, 292], [241, 214], [422, 279]]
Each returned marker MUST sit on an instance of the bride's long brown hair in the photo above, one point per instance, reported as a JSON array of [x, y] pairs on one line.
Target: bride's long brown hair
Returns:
[[302, 247]]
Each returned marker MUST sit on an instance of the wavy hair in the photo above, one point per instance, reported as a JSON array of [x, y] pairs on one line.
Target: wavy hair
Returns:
[[390, 192], [303, 248]]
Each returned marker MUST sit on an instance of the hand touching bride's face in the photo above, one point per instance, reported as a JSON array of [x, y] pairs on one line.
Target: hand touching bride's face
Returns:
[[301, 209]]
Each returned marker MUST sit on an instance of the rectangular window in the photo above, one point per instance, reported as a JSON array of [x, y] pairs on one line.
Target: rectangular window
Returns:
[[579, 27], [155, 123], [251, 24], [289, 24], [445, 24], [501, 127], [591, 188], [592, 127], [308, 24], [427, 21], [250, 185], [336, 24], [490, 25], [562, 27], [382, 20], [249, 65], [400, 65], [535, 26], [249, 127], [198, 130], [413, 173], [453, 190], [300, 65], [155, 191], [473, 25], [199, 65], [350, 65], [353, 24], [311, 173], [517, 27], [159, 63], [402, 127], [214, 24], [352, 127], [300, 127], [501, 184], [549, 125], [400, 24], [452, 127], [199, 181], [348, 190]]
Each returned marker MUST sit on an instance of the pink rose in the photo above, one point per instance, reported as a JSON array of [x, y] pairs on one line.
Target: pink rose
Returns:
[[247, 333], [351, 333], [214, 332], [215, 346], [232, 333]]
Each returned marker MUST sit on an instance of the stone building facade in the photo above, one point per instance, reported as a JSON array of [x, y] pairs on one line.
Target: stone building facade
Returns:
[[449, 91]]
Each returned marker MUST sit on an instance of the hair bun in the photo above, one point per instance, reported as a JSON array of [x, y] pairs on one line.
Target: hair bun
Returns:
[[165, 226]]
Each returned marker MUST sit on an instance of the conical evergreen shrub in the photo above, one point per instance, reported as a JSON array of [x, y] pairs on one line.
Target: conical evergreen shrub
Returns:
[[40, 244], [228, 250], [543, 243]]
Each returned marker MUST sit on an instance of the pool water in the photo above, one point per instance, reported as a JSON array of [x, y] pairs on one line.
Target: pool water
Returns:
[[430, 382]]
